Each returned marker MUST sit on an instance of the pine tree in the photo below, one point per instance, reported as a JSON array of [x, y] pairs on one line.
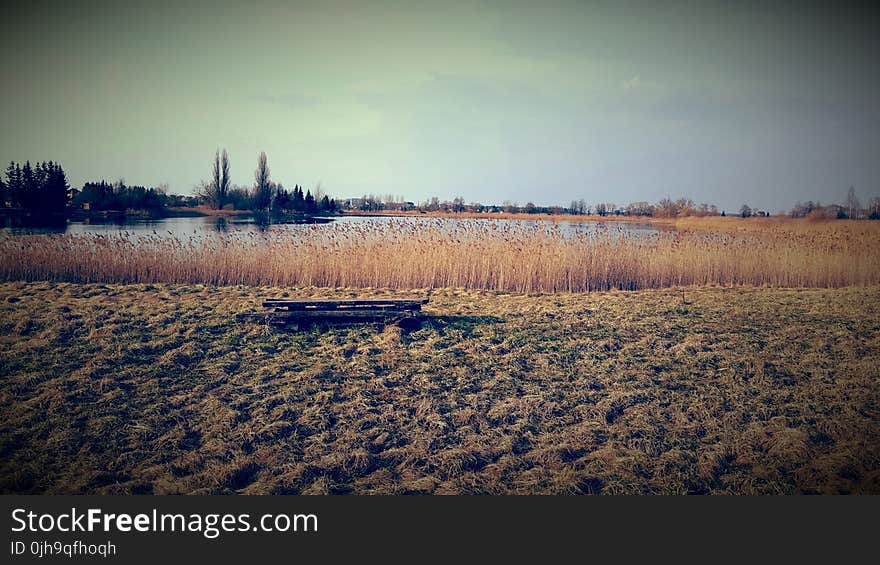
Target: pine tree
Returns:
[[13, 183], [29, 188], [39, 182], [13, 180], [282, 198], [55, 189], [310, 202], [298, 200]]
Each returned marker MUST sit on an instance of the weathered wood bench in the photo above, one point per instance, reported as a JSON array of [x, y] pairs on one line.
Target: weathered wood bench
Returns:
[[304, 313]]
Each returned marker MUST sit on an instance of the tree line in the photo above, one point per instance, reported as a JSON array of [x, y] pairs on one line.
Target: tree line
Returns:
[[102, 196], [42, 189], [265, 196], [39, 189], [851, 208], [664, 208]]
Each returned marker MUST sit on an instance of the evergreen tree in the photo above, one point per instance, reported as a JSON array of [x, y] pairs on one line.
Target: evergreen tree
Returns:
[[13, 184], [310, 202], [98, 195], [298, 203], [29, 188], [55, 188], [282, 198], [10, 175], [40, 175]]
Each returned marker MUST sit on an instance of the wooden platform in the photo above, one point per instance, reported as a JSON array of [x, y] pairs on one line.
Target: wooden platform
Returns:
[[327, 305], [303, 313]]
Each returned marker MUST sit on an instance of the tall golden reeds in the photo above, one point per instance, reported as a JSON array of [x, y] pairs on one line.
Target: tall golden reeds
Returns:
[[469, 254]]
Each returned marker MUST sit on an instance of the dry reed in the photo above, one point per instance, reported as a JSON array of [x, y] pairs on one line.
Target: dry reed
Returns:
[[468, 254]]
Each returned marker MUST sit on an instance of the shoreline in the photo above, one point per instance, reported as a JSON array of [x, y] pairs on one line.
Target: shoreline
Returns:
[[504, 216]]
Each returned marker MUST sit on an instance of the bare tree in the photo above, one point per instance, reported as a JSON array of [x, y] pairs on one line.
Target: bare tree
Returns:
[[205, 192], [666, 208], [583, 207], [874, 209], [224, 182], [684, 207], [215, 191], [214, 185], [262, 186], [853, 206], [639, 209]]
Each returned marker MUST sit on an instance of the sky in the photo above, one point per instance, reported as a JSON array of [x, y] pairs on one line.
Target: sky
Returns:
[[764, 103]]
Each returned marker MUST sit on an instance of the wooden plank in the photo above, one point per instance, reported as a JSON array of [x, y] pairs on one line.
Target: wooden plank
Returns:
[[359, 308], [339, 314], [303, 319], [350, 302], [345, 304]]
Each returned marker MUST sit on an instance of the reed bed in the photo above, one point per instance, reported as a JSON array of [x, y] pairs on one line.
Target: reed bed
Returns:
[[468, 254]]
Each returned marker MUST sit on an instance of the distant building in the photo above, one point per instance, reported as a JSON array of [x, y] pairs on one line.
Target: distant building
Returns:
[[835, 211], [353, 203]]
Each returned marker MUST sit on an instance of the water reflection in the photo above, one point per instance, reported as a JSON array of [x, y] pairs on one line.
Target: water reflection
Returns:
[[29, 224], [221, 224], [262, 221]]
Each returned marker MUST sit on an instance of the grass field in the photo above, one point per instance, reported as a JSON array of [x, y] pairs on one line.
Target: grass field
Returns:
[[155, 389]]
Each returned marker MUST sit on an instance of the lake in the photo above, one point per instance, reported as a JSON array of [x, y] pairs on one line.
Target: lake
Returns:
[[210, 226]]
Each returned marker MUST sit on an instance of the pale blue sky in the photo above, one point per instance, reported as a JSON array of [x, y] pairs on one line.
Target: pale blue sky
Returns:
[[545, 101]]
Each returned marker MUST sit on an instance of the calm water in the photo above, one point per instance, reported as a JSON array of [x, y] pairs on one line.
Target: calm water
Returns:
[[208, 226]]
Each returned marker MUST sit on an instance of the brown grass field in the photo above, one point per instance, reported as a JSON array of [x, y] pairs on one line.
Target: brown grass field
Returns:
[[511, 257], [153, 388]]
